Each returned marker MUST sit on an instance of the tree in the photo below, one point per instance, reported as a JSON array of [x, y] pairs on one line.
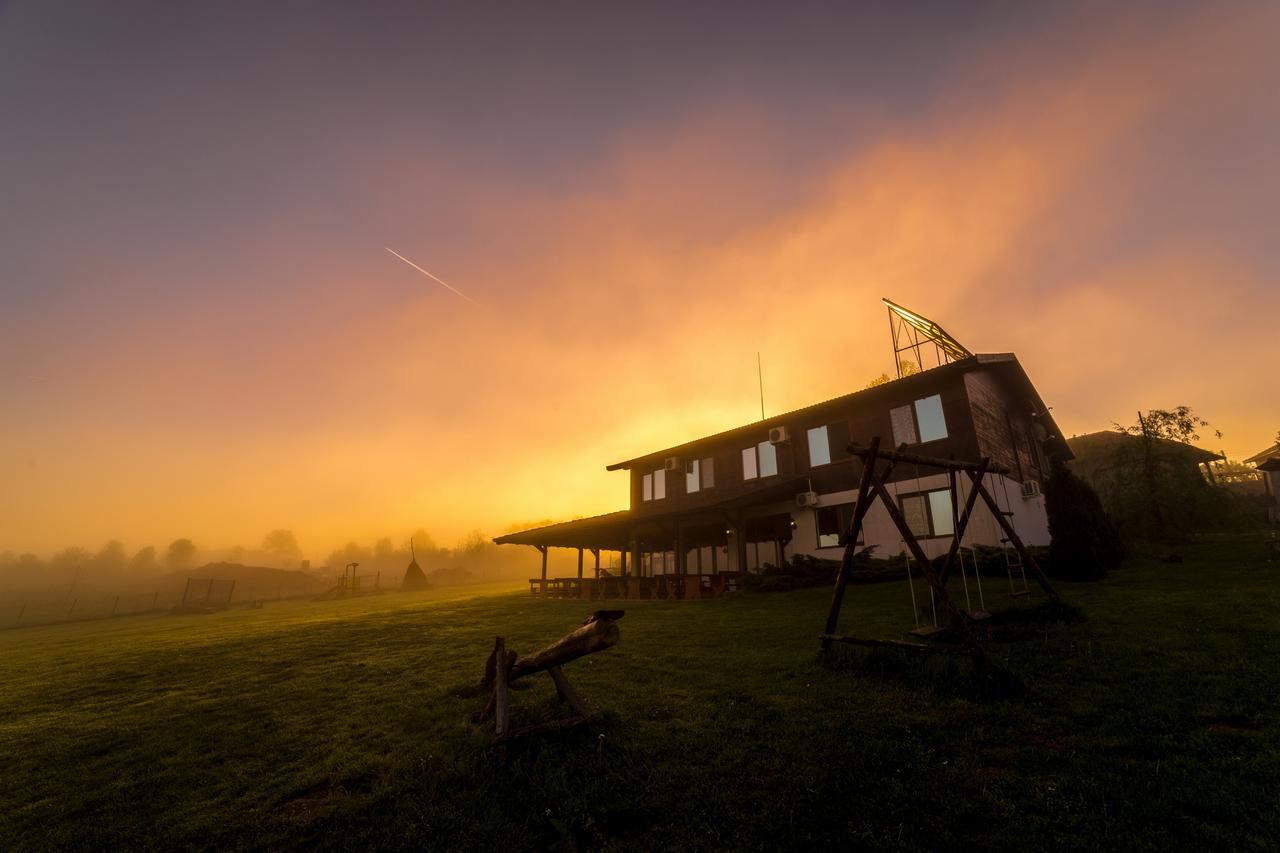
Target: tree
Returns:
[[1085, 544], [144, 560], [1180, 424], [475, 544], [281, 544], [181, 554], [111, 558], [383, 549]]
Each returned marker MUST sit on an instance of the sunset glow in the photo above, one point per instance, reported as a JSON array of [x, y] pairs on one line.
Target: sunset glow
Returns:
[[202, 335]]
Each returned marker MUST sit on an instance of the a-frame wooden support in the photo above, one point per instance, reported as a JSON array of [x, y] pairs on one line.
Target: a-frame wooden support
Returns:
[[872, 487]]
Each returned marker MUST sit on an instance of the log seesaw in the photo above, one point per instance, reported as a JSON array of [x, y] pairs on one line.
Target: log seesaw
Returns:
[[503, 668]]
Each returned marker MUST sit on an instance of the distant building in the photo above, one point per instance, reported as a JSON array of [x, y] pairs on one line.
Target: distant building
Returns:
[[1102, 456], [763, 492], [1268, 464]]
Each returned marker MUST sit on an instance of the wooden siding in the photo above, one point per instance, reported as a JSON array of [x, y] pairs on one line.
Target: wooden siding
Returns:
[[1003, 424]]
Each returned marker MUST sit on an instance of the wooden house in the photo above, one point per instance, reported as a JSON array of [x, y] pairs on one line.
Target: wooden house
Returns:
[[706, 510], [1268, 464]]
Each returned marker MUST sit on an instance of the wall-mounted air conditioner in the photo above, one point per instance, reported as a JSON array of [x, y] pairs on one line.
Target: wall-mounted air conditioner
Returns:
[[671, 463], [807, 500], [779, 435], [1031, 489]]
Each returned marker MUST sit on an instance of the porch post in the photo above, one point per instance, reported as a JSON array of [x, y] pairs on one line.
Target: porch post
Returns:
[[579, 563], [542, 587], [596, 553], [680, 556], [741, 530]]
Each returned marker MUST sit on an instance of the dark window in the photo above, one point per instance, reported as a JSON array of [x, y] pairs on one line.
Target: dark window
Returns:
[[833, 522]]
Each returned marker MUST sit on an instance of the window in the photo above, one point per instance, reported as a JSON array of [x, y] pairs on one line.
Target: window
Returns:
[[699, 475], [759, 461], [768, 459], [929, 513], [919, 422], [654, 486], [819, 447], [828, 444], [832, 522]]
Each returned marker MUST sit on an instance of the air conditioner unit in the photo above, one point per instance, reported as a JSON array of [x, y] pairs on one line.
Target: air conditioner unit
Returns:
[[671, 463], [807, 500], [1031, 489], [779, 435]]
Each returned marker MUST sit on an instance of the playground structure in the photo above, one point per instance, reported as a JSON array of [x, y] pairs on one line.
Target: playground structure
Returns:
[[351, 584], [958, 635], [503, 667]]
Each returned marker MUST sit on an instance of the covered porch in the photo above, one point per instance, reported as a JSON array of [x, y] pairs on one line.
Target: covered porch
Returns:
[[682, 555]]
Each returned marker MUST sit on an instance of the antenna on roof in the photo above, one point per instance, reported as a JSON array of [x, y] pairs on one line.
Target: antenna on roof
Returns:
[[913, 333], [760, 376]]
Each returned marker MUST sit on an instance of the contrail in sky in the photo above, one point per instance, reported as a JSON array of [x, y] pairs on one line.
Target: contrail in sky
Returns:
[[432, 277]]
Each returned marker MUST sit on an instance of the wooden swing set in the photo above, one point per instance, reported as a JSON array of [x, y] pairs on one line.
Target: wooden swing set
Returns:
[[963, 639]]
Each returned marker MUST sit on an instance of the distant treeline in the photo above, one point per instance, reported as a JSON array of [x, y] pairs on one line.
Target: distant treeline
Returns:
[[113, 567]]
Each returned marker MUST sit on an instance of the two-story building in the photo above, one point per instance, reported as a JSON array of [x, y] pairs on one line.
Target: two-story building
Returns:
[[785, 485]]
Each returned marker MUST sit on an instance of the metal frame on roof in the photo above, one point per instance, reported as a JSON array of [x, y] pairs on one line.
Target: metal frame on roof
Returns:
[[913, 332]]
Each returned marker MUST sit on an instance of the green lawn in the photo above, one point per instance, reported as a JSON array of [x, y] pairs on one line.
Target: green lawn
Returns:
[[345, 725]]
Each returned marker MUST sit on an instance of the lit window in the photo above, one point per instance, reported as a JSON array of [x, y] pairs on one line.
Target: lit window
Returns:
[[647, 490], [768, 459], [929, 513], [759, 461], [929, 418], [819, 447], [940, 512], [919, 422], [833, 522], [659, 484], [699, 475]]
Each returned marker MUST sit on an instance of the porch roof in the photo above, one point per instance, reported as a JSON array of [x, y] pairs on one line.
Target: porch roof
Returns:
[[613, 531]]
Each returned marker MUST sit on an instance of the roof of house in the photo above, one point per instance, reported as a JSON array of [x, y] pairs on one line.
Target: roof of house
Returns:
[[1270, 453], [611, 530], [1097, 452], [1004, 361]]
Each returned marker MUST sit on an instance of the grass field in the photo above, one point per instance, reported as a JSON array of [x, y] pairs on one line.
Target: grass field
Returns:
[[1152, 725]]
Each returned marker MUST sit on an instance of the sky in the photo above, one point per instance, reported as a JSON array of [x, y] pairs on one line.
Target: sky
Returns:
[[202, 332]]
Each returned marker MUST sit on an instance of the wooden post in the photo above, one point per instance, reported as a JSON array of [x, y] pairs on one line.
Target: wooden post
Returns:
[[579, 562], [681, 559], [1014, 540], [961, 523], [595, 552], [566, 692], [851, 540], [542, 587], [500, 687]]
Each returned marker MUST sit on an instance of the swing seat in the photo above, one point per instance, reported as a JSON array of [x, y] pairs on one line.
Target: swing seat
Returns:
[[1020, 593], [927, 631], [977, 615]]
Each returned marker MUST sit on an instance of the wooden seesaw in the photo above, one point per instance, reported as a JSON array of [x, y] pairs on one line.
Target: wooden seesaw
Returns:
[[598, 633]]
